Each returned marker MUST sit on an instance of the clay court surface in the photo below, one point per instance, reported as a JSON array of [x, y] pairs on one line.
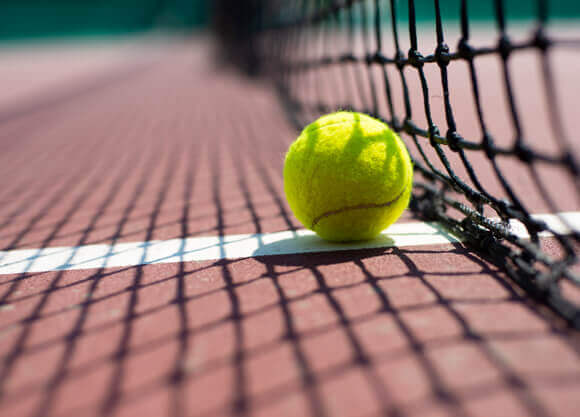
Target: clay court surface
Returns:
[[150, 140]]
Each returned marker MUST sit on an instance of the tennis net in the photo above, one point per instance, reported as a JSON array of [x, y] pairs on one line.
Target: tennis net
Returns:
[[460, 91]]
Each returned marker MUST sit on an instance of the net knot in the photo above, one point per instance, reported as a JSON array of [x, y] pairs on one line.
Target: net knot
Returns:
[[433, 133], [568, 159], [442, 55], [369, 59], [349, 57], [504, 46], [378, 58], [523, 152], [465, 50], [453, 140], [415, 58], [396, 125], [408, 126], [541, 41], [504, 206], [536, 226], [488, 146], [400, 60]]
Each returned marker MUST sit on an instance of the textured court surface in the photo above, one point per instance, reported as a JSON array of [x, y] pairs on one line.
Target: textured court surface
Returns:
[[158, 143]]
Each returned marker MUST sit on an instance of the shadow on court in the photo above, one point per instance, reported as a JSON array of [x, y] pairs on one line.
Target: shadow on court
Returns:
[[394, 337], [398, 331]]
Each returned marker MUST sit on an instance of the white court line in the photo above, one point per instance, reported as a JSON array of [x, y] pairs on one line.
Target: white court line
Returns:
[[232, 247]]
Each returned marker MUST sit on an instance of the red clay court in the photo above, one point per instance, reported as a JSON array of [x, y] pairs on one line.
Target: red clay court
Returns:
[[150, 265]]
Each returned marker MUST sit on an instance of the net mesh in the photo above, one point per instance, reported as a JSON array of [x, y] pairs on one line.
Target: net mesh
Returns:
[[481, 169]]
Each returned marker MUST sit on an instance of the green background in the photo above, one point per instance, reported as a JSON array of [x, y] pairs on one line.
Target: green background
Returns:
[[483, 10], [47, 18]]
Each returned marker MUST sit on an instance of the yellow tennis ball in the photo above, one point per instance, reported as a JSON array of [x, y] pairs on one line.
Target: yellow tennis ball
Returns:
[[348, 177]]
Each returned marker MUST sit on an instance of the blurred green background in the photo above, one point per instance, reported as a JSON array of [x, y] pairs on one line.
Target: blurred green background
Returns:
[[49, 18], [21, 19]]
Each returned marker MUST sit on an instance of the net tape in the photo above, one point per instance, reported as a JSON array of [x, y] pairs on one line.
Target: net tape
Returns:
[[291, 40]]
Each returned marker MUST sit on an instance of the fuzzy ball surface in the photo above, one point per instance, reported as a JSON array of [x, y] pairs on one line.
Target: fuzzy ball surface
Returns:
[[348, 177]]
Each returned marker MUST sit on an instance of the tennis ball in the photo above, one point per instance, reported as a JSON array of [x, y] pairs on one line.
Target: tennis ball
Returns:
[[348, 177]]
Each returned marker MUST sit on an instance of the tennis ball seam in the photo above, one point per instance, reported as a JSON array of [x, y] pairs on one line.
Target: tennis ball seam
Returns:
[[359, 207]]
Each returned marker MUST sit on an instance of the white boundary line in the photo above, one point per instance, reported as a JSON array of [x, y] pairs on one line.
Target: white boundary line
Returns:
[[231, 247]]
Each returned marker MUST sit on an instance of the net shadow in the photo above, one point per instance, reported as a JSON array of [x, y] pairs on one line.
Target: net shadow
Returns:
[[475, 173], [300, 334]]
